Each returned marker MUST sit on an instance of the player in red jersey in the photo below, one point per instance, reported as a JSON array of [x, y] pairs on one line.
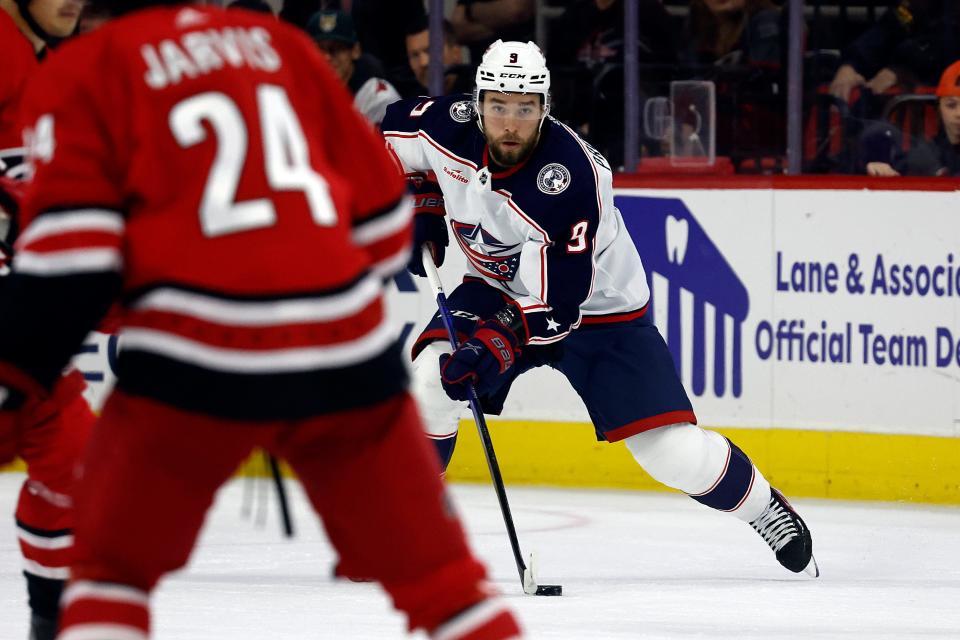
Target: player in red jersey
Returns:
[[206, 168], [26, 29], [51, 433]]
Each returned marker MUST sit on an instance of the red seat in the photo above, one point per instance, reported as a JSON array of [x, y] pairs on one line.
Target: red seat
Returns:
[[722, 166]]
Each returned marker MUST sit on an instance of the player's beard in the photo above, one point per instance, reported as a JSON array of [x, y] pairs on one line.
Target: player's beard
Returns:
[[513, 156]]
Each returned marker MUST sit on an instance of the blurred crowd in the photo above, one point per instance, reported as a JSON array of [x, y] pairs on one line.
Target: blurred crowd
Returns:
[[880, 95]]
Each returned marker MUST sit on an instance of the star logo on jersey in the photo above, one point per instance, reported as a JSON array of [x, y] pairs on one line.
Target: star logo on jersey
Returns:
[[552, 325], [491, 257]]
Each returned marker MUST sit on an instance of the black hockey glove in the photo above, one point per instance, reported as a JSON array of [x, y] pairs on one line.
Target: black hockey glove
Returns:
[[486, 358], [429, 225]]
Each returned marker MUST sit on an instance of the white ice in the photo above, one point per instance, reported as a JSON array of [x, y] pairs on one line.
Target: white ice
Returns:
[[632, 565]]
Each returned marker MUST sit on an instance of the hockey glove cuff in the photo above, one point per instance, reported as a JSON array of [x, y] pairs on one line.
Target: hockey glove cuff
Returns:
[[429, 226], [484, 361]]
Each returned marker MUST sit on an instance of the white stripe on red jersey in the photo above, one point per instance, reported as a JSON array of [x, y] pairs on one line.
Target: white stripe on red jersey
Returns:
[[68, 262], [263, 313], [250, 361], [63, 223], [367, 232]]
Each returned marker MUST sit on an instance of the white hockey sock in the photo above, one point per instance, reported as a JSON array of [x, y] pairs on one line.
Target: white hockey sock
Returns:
[[704, 465]]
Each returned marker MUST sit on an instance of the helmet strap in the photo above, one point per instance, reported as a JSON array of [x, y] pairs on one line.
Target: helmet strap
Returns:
[[477, 95]]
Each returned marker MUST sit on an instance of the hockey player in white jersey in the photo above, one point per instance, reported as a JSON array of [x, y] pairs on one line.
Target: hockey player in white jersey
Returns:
[[554, 279]]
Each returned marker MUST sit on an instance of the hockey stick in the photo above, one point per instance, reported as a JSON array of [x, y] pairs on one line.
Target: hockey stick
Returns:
[[527, 577], [281, 495]]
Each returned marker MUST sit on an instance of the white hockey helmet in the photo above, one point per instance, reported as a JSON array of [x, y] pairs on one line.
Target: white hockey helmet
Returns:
[[513, 67]]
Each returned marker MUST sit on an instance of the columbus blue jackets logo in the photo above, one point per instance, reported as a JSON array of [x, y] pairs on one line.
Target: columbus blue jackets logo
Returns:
[[553, 179], [489, 256], [689, 277], [461, 111]]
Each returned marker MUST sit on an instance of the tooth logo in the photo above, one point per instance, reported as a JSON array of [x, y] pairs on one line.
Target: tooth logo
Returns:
[[697, 300], [677, 234]]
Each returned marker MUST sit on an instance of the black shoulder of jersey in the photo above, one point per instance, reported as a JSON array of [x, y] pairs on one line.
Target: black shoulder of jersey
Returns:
[[561, 183], [450, 121]]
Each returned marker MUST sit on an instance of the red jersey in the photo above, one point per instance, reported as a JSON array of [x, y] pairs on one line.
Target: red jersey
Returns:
[[19, 64], [210, 168]]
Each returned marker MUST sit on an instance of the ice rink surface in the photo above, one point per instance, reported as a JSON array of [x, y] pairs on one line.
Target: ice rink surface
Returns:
[[632, 565]]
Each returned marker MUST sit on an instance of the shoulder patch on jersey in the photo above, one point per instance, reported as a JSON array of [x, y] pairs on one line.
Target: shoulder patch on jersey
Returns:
[[462, 111], [553, 179]]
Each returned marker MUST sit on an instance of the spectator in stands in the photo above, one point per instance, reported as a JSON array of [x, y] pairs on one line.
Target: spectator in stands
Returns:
[[734, 32], [740, 44], [478, 23], [382, 27], [251, 5], [298, 12], [590, 32], [911, 44], [937, 157], [585, 45], [458, 77], [334, 33]]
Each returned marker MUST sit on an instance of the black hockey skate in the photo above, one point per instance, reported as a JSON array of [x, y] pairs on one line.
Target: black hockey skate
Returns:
[[787, 535]]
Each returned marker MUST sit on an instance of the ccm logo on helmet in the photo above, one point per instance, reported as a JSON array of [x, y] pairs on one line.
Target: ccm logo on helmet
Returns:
[[513, 75]]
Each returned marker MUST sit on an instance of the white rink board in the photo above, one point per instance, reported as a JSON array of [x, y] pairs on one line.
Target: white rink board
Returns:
[[749, 229]]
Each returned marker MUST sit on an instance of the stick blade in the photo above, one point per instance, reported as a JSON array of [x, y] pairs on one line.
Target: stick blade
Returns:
[[530, 586], [529, 583], [529, 577]]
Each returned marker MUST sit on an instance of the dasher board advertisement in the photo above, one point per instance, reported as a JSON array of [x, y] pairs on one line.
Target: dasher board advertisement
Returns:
[[804, 309]]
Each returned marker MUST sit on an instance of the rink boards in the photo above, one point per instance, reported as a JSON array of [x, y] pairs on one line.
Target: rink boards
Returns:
[[819, 328], [815, 323]]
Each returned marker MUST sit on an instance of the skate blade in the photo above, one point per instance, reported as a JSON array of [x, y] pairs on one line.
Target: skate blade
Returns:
[[812, 569]]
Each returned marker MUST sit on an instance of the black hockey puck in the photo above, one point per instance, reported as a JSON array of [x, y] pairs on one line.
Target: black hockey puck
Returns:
[[549, 590]]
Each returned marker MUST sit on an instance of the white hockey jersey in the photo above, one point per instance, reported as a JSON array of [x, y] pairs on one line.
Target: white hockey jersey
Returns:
[[545, 232], [372, 97]]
